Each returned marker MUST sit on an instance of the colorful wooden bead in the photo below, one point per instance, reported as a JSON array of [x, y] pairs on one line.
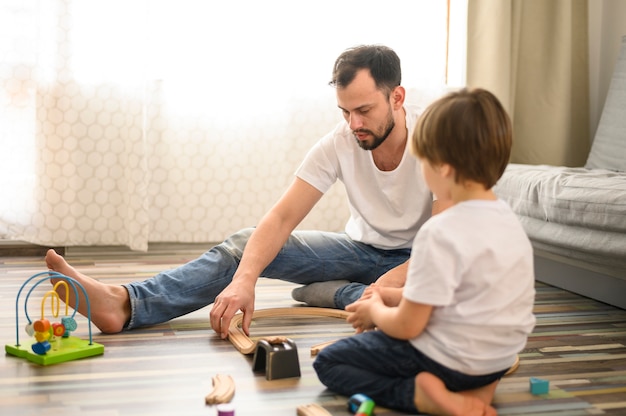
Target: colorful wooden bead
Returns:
[[42, 336], [41, 325], [58, 329], [69, 323], [41, 348]]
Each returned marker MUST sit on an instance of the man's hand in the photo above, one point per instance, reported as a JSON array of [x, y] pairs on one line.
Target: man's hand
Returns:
[[237, 296]]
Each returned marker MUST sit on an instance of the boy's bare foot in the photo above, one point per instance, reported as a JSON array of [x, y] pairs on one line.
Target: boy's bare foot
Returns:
[[109, 304], [432, 397]]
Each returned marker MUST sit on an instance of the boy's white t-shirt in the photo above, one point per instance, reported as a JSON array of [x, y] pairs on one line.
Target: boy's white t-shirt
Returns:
[[474, 264], [386, 208]]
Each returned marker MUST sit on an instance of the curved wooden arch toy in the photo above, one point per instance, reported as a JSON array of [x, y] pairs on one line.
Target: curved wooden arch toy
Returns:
[[245, 345], [223, 389]]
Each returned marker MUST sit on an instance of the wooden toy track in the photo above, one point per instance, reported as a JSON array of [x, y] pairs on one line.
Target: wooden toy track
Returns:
[[223, 390], [514, 367], [247, 346], [312, 409]]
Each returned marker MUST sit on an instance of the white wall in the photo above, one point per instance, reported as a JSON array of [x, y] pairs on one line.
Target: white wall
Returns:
[[607, 25]]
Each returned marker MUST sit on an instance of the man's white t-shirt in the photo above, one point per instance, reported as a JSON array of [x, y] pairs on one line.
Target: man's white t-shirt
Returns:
[[386, 208], [474, 263]]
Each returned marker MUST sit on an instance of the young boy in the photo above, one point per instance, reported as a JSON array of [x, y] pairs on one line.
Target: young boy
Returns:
[[444, 340]]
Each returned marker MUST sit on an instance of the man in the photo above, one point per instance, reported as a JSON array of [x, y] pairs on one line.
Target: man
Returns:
[[388, 201]]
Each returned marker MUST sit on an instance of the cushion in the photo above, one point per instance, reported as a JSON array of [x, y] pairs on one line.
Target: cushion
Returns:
[[572, 196], [603, 251], [608, 150]]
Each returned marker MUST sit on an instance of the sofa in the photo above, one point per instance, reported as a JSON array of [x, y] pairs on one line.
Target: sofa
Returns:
[[575, 217]]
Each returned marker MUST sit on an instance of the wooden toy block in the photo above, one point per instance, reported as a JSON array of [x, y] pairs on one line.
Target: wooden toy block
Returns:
[[539, 386]]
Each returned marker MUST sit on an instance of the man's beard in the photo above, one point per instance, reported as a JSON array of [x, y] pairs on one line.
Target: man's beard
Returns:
[[377, 139]]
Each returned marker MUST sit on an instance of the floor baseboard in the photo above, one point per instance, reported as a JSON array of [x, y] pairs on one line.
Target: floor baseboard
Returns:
[[22, 249], [10, 248]]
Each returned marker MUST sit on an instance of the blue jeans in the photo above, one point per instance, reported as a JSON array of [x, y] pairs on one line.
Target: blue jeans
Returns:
[[384, 369], [306, 257]]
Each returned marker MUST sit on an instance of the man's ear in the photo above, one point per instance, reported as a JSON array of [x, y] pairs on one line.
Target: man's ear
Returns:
[[397, 97]]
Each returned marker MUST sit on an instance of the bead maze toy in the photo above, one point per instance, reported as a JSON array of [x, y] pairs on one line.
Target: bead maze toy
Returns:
[[52, 342]]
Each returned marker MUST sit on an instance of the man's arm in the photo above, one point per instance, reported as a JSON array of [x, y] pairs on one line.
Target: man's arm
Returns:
[[262, 247], [394, 277]]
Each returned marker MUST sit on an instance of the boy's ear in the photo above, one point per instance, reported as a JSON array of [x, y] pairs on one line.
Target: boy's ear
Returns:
[[446, 170]]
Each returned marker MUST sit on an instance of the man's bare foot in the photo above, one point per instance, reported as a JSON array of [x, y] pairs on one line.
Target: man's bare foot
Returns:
[[432, 397], [109, 304]]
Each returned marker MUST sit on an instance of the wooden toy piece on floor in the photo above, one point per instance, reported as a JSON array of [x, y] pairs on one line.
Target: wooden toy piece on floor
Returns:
[[52, 343], [366, 408], [361, 405], [223, 390], [514, 367], [539, 386], [311, 409], [276, 359]]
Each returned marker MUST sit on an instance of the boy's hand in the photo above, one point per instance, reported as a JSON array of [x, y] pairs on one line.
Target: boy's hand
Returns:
[[360, 311]]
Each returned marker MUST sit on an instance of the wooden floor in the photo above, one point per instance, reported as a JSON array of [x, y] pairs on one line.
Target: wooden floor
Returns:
[[578, 346]]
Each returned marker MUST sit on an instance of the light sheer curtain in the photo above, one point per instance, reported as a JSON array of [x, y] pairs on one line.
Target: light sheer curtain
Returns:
[[124, 122], [534, 55]]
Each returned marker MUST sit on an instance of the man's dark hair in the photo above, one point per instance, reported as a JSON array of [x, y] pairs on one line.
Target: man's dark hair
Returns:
[[382, 62]]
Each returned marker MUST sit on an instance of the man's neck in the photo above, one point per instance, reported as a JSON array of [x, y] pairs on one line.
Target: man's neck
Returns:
[[389, 154]]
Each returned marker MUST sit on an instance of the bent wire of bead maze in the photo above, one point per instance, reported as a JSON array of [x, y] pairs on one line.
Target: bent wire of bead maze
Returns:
[[52, 343]]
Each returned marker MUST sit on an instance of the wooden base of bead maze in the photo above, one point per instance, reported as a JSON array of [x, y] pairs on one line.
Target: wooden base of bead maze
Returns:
[[62, 350]]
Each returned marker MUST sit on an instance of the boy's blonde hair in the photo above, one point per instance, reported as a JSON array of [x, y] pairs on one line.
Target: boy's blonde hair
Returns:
[[469, 130]]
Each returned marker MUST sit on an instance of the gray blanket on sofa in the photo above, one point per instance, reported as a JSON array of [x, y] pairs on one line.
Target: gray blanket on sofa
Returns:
[[577, 211]]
